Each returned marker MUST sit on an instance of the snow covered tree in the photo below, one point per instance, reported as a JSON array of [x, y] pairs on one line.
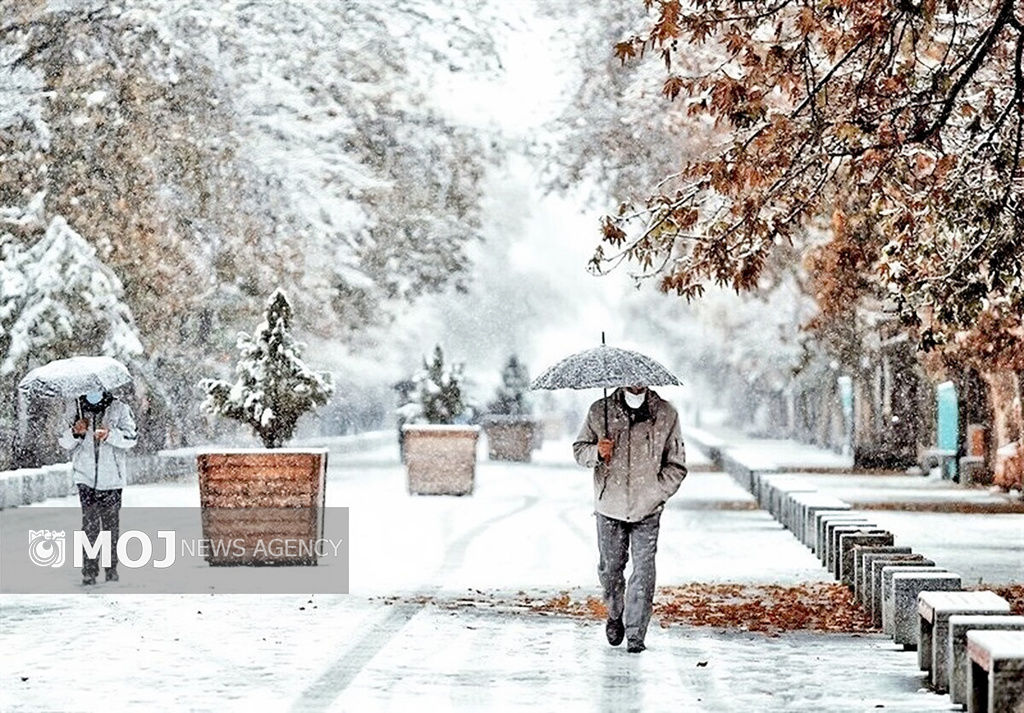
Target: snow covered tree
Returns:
[[182, 138], [273, 386], [437, 393], [511, 396], [57, 298]]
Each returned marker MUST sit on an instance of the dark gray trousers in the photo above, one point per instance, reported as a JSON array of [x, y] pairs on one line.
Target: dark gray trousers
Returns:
[[615, 540], [101, 510]]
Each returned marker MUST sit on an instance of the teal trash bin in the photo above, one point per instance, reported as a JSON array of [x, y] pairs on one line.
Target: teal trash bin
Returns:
[[948, 428]]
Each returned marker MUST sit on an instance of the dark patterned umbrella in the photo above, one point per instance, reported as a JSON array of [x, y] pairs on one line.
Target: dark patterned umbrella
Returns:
[[605, 367]]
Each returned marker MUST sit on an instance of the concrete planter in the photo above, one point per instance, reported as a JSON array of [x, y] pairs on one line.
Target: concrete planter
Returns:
[[510, 437], [253, 498], [440, 460]]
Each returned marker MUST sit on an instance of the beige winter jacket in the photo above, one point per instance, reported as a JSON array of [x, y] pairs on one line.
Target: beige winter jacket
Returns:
[[648, 461]]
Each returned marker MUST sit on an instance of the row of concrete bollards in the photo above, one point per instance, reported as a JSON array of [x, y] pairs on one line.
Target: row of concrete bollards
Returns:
[[968, 642]]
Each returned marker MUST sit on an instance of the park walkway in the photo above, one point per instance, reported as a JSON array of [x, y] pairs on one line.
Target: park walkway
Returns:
[[414, 635]]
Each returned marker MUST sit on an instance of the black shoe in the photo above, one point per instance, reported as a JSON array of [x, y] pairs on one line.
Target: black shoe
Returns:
[[635, 647], [86, 581], [112, 575], [614, 630]]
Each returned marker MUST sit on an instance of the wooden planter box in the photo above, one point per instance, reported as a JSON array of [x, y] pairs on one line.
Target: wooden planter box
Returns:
[[440, 460], [253, 500], [510, 437]]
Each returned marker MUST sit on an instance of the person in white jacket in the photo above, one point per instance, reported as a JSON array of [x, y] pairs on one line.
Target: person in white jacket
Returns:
[[100, 429]]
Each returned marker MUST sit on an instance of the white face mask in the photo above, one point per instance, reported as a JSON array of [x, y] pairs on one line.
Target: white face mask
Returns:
[[635, 400]]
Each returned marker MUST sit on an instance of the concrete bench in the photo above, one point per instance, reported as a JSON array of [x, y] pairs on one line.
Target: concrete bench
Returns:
[[906, 588], [881, 586], [862, 558], [934, 610], [828, 525], [848, 544], [995, 679], [708, 443], [959, 625], [937, 457], [745, 470], [822, 519]]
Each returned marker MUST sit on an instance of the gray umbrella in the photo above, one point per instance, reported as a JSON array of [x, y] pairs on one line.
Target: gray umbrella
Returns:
[[73, 377], [605, 367]]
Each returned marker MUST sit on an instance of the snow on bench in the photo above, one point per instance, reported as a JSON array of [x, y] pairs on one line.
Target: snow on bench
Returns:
[[959, 625], [995, 679], [934, 610]]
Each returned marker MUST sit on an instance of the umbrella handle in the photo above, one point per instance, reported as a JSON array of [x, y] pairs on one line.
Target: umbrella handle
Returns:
[[606, 412], [605, 399]]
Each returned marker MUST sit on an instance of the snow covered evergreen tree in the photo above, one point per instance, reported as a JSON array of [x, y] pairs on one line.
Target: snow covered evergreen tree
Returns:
[[511, 397], [274, 387], [437, 395]]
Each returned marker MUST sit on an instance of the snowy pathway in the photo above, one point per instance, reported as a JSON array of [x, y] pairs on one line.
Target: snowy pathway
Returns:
[[527, 527]]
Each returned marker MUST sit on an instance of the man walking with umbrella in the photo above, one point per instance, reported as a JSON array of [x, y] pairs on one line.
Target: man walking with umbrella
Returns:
[[632, 441]]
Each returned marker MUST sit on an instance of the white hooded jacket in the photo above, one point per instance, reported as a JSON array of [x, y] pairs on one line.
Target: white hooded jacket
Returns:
[[101, 465]]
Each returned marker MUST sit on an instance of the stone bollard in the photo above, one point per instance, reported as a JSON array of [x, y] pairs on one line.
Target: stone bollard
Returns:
[[867, 560], [59, 480], [884, 584], [821, 520], [12, 486], [861, 563], [847, 544], [808, 505], [906, 587], [832, 547], [33, 486]]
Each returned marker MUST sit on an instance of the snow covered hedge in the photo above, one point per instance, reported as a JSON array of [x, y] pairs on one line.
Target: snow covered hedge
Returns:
[[273, 387]]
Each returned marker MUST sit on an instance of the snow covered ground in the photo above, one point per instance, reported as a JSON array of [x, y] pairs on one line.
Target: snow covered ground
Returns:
[[525, 528]]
